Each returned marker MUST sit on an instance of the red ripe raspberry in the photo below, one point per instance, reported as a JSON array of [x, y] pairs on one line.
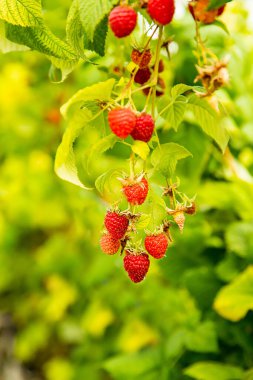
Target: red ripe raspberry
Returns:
[[142, 76], [116, 224], [122, 121], [144, 127], [161, 11], [136, 192], [200, 12], [156, 245], [136, 265], [122, 20], [109, 245], [141, 59]]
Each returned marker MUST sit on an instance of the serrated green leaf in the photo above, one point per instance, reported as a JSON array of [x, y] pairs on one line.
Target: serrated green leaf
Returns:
[[60, 69], [99, 39], [79, 118], [104, 180], [143, 222], [141, 149], [42, 40], [213, 370], [208, 120], [165, 157], [236, 299], [100, 91], [100, 147], [65, 163], [21, 12], [74, 29], [92, 12], [214, 4], [6, 45], [176, 112], [180, 89]]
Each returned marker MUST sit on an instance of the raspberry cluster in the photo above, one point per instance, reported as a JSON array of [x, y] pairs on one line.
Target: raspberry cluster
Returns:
[[121, 227], [123, 18], [124, 122]]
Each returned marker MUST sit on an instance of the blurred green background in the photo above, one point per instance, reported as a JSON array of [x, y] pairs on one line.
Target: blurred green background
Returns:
[[69, 312]]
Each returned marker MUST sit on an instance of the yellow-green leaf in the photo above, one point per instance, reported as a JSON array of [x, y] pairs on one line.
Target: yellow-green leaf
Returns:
[[236, 299]]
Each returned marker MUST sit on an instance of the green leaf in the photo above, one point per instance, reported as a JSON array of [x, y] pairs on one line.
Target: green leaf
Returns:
[[60, 69], [208, 120], [137, 364], [143, 222], [100, 91], [104, 181], [6, 45], [165, 157], [74, 29], [180, 89], [236, 299], [141, 149], [92, 12], [176, 111], [21, 12], [99, 39], [221, 25], [214, 4], [65, 163], [100, 147], [213, 370], [42, 40], [79, 117], [239, 239], [203, 338]]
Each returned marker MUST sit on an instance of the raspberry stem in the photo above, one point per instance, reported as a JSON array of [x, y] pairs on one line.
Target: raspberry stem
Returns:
[[156, 68]]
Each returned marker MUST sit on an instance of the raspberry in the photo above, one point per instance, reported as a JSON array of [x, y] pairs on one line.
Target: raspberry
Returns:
[[116, 224], [144, 128], [136, 192], [198, 9], [109, 245], [136, 265], [142, 76], [141, 59], [156, 245], [122, 121], [161, 11], [122, 20]]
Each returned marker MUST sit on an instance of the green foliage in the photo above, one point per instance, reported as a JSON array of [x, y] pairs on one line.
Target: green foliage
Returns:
[[165, 157], [212, 370], [217, 3], [21, 12], [208, 120], [67, 311], [79, 117], [235, 299]]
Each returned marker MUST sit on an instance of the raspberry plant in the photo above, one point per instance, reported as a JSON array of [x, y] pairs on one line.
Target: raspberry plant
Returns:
[[130, 111]]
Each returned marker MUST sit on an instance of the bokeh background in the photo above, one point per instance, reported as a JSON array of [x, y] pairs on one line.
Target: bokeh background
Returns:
[[69, 312]]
